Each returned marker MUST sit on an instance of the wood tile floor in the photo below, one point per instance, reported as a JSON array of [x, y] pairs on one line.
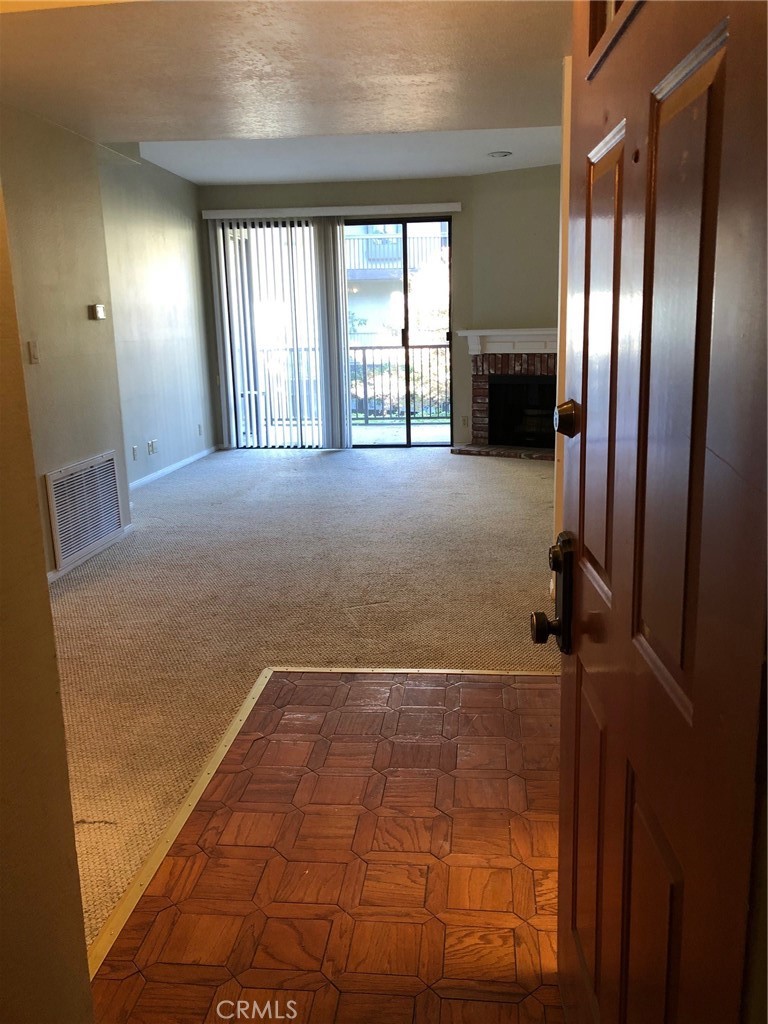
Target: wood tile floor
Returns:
[[373, 848]]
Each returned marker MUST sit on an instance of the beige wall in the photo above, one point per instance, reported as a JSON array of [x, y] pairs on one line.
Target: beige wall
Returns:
[[42, 941], [86, 225], [515, 242], [59, 258], [505, 245], [154, 238]]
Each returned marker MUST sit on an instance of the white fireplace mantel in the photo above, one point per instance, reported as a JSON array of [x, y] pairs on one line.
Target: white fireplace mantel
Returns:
[[505, 339]]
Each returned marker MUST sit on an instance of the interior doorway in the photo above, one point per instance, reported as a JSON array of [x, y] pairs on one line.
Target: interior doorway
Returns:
[[398, 331]]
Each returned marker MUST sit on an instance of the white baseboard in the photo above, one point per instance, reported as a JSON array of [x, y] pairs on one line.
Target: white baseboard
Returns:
[[171, 469], [56, 574]]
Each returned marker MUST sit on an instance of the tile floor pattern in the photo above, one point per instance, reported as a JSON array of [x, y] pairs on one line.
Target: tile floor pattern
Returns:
[[375, 847]]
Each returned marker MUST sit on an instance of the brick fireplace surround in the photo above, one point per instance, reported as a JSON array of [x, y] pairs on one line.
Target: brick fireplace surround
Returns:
[[506, 352], [513, 364]]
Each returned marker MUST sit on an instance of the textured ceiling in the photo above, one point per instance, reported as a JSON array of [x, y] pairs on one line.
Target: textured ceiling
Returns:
[[232, 70]]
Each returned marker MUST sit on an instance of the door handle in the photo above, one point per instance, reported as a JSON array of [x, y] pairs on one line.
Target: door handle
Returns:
[[567, 418], [561, 562]]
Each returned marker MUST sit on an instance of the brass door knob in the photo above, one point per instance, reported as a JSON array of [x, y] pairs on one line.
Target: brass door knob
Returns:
[[566, 418]]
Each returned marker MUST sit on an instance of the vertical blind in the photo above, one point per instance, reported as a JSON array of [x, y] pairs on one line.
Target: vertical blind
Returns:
[[280, 321]]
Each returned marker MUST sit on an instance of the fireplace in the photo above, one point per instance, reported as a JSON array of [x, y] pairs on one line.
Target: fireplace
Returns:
[[514, 388], [520, 410], [513, 398]]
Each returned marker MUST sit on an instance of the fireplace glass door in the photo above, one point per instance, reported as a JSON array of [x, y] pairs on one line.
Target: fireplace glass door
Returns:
[[520, 410]]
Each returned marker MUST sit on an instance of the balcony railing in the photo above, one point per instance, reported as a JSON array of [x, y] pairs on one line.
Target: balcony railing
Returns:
[[288, 394], [377, 252], [377, 384]]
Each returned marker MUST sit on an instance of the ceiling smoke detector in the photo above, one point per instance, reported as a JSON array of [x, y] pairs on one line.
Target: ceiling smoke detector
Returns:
[[499, 153]]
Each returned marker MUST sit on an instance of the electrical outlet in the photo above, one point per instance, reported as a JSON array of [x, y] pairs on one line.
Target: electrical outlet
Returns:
[[135, 452], [465, 421], [149, 447], [155, 449], [34, 355]]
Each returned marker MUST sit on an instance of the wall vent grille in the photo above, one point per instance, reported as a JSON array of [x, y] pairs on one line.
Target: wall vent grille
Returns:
[[85, 509]]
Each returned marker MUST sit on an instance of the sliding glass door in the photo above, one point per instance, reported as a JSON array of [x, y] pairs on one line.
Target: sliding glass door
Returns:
[[397, 332], [332, 334], [428, 307], [373, 256]]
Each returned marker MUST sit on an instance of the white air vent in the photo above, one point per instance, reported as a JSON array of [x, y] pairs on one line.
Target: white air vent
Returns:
[[84, 503]]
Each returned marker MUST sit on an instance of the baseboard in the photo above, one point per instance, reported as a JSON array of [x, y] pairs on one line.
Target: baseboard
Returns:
[[56, 574], [112, 927], [171, 469]]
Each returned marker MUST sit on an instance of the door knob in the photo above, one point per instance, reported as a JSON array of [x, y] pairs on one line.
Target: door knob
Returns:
[[561, 562], [542, 628], [566, 418]]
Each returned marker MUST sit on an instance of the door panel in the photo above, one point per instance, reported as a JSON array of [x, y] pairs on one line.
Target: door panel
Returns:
[[665, 490], [685, 143], [603, 259], [376, 320], [429, 354], [589, 821], [653, 913]]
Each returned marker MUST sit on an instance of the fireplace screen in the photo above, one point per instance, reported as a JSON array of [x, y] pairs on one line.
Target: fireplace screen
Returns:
[[520, 410]]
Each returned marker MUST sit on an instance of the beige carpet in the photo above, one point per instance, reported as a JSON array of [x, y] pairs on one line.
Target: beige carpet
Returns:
[[403, 559]]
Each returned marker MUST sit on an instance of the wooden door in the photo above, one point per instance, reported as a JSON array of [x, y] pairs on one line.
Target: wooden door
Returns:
[[665, 493]]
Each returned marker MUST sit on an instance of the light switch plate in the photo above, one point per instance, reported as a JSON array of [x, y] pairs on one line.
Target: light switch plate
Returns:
[[34, 355], [97, 311]]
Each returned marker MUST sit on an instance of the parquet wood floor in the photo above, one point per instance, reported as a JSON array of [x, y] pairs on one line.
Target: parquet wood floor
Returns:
[[373, 848]]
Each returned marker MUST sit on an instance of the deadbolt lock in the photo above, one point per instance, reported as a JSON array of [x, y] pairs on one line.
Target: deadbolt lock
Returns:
[[561, 562]]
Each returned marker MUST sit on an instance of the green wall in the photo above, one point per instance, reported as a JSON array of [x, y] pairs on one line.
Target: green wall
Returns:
[[154, 235], [515, 239], [87, 225], [59, 259]]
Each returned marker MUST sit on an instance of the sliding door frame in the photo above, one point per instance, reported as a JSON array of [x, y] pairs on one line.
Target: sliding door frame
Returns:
[[404, 222]]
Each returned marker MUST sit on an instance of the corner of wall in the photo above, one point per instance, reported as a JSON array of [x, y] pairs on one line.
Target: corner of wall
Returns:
[[156, 249], [60, 267]]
